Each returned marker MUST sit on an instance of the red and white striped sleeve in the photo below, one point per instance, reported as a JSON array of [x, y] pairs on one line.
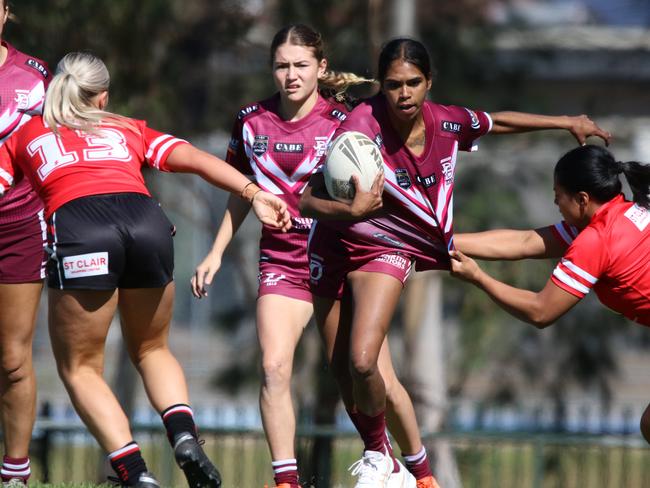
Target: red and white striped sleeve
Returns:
[[158, 147], [564, 233], [583, 264]]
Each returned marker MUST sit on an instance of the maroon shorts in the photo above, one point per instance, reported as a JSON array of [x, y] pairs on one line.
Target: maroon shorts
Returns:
[[22, 250], [279, 280], [330, 261]]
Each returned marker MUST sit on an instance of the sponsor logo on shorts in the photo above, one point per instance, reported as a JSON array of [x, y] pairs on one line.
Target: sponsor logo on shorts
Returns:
[[288, 147], [83, 265], [396, 260], [403, 179], [315, 268], [453, 127], [260, 145], [384, 237], [301, 223], [271, 279]]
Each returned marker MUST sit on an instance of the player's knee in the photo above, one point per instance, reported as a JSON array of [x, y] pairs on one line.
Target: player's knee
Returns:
[[645, 424], [276, 373], [15, 366], [362, 366]]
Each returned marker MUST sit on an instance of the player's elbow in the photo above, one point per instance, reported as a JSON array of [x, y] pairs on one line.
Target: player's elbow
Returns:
[[541, 318], [304, 205]]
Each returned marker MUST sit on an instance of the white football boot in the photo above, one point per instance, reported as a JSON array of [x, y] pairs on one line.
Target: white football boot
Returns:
[[372, 470], [402, 478]]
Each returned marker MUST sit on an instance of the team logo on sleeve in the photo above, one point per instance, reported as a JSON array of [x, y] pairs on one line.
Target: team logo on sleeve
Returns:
[[475, 122], [32, 63], [260, 145], [453, 127], [403, 179], [338, 114], [247, 111]]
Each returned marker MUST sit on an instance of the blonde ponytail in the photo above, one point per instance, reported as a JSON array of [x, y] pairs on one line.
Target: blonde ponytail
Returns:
[[339, 81], [69, 100]]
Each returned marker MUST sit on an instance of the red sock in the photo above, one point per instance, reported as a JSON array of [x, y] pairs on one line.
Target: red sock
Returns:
[[389, 448], [418, 464], [285, 471], [372, 430], [15, 468]]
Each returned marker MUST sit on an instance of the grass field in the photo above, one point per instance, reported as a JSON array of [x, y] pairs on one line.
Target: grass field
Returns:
[[484, 461]]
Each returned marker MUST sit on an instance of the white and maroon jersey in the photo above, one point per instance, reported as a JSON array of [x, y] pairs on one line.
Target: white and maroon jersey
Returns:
[[417, 215], [23, 81], [281, 156], [612, 256], [78, 164]]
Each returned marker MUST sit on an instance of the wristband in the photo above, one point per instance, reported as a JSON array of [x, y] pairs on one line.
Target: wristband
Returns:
[[249, 191]]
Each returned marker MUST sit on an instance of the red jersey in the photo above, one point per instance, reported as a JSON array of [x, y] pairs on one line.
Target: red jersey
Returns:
[[23, 81], [281, 156], [611, 255], [77, 164], [417, 215]]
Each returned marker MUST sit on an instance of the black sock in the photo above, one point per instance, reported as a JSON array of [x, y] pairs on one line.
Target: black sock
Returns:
[[178, 419], [127, 462]]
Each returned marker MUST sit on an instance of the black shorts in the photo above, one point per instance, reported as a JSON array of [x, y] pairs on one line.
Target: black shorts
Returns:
[[103, 242]]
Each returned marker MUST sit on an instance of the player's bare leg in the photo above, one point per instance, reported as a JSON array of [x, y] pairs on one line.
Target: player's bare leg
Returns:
[[78, 323], [146, 315], [280, 323], [18, 308]]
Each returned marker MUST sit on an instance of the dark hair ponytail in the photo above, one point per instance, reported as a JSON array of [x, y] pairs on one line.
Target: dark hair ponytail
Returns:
[[638, 177], [594, 170]]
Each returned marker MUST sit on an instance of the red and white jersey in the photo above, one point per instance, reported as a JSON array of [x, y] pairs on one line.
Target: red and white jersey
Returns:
[[417, 215], [612, 256], [77, 164], [281, 156], [23, 81]]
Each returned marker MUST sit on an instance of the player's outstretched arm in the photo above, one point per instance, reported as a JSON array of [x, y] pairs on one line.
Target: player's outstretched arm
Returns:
[[509, 244], [540, 309], [316, 203], [235, 213], [268, 208], [580, 126]]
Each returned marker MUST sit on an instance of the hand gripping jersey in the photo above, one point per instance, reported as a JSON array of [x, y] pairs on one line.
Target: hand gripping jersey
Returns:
[[23, 81], [281, 156], [79, 164], [612, 256], [417, 216]]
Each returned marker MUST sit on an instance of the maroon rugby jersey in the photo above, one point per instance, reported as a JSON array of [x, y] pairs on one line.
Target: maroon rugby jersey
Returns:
[[77, 164], [417, 216], [281, 156], [23, 81], [610, 255]]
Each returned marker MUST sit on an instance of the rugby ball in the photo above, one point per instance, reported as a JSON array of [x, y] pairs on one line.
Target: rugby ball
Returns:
[[351, 153]]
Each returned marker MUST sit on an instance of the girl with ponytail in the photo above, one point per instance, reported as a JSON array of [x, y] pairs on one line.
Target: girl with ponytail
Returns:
[[603, 243], [111, 247], [279, 142]]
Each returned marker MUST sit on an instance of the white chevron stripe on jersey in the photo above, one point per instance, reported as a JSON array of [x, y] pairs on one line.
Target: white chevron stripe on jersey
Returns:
[[394, 190], [265, 182], [413, 194]]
